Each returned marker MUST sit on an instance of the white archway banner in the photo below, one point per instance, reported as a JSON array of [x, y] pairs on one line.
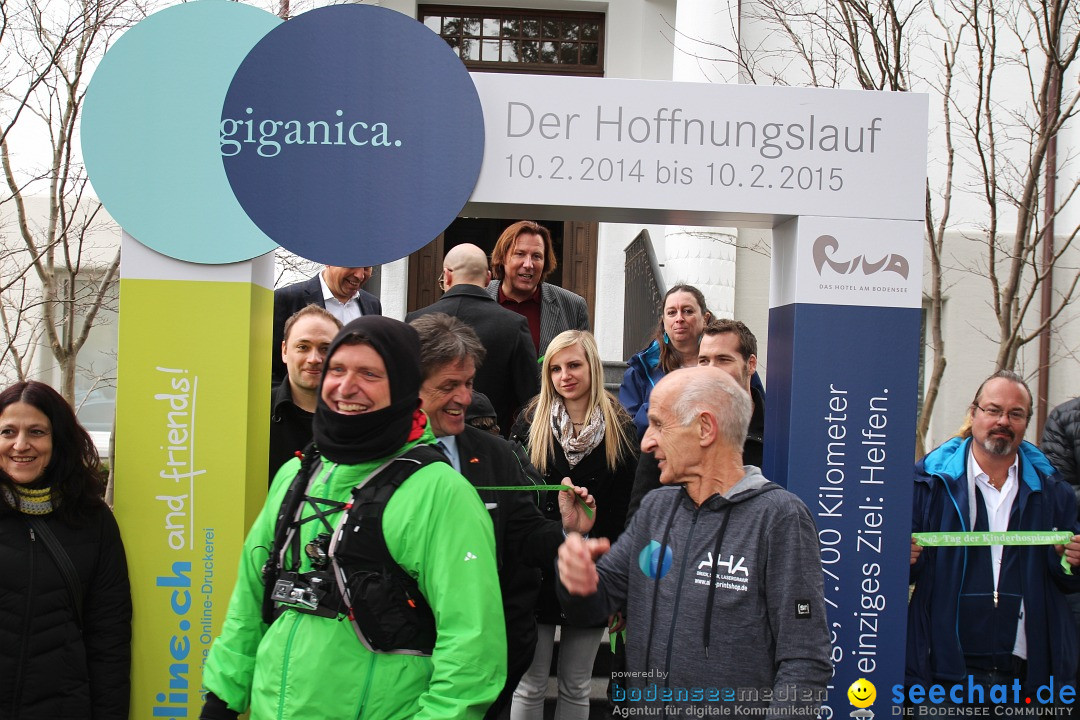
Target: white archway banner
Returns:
[[839, 175], [697, 153]]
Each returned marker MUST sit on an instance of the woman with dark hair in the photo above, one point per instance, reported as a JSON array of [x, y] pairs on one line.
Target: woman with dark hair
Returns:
[[65, 603], [683, 317]]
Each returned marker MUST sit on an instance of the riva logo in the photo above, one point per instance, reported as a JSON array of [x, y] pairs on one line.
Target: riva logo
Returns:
[[825, 248]]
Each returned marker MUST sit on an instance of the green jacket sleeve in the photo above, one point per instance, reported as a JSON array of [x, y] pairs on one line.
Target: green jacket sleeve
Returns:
[[438, 529]]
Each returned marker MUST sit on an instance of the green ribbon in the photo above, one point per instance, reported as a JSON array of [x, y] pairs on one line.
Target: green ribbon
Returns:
[[982, 538], [979, 538], [537, 488], [613, 635]]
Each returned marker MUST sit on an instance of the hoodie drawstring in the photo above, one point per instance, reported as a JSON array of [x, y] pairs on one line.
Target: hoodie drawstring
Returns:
[[712, 579]]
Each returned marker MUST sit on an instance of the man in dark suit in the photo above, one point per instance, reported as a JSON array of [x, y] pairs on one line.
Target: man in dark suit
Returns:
[[522, 259], [524, 539], [510, 376], [337, 289]]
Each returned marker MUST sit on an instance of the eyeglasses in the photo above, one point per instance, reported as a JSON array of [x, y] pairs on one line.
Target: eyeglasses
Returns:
[[440, 279], [995, 413]]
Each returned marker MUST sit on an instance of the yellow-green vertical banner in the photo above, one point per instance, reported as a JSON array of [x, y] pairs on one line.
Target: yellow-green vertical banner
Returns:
[[192, 419]]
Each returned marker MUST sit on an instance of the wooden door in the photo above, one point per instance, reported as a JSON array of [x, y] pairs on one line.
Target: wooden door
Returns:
[[579, 262], [425, 266]]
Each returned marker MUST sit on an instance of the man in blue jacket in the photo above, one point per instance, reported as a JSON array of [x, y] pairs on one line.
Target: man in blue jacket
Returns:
[[996, 613]]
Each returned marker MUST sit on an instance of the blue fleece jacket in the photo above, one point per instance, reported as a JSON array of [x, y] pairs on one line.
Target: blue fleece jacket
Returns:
[[637, 384]]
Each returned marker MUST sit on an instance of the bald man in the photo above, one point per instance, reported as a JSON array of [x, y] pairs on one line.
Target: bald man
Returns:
[[719, 558], [509, 375]]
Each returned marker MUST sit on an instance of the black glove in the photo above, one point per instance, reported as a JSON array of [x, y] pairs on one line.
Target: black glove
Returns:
[[216, 709]]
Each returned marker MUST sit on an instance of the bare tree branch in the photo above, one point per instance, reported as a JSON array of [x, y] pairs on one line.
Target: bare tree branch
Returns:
[[48, 51]]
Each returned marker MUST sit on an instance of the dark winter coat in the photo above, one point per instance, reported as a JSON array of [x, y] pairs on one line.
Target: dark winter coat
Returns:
[[49, 668], [1061, 442]]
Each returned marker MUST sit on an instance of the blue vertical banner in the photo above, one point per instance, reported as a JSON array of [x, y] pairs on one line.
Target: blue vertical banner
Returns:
[[844, 334]]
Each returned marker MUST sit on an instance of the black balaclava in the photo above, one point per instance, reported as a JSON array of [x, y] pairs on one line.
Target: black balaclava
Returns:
[[352, 439]]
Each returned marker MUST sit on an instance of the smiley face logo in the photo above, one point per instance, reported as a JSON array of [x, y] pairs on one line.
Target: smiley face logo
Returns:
[[862, 693]]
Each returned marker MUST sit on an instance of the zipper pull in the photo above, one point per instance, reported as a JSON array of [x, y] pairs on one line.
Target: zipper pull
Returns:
[[995, 598], [33, 537]]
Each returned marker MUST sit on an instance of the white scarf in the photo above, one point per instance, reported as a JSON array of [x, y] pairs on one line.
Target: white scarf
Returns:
[[575, 447]]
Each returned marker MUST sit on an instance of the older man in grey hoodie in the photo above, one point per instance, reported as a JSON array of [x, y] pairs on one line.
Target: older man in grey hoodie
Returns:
[[719, 572]]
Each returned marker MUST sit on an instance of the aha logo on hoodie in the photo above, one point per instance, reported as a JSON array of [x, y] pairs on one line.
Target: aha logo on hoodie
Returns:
[[650, 563]]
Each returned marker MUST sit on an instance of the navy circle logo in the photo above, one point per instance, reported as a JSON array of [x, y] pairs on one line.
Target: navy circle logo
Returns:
[[352, 135]]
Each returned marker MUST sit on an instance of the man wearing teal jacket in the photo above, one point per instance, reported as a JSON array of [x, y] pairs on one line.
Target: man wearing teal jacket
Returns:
[[436, 529]]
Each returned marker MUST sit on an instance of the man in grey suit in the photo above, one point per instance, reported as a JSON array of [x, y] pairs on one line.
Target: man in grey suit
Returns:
[[522, 259], [337, 289], [510, 376]]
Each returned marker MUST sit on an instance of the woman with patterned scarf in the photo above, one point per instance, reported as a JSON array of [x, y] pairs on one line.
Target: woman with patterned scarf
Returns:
[[65, 603], [573, 429]]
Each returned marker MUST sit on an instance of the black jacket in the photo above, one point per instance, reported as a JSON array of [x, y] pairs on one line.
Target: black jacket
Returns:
[[289, 299], [1061, 441], [509, 375], [647, 476], [610, 489], [290, 427], [49, 670], [525, 541]]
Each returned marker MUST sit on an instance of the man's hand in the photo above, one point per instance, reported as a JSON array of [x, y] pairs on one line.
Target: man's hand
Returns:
[[916, 550], [574, 517], [1071, 551], [577, 563]]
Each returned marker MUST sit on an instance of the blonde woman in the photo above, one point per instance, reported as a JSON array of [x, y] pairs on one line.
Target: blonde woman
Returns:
[[573, 429]]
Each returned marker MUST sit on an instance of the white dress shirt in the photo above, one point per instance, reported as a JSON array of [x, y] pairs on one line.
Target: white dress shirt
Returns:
[[346, 311]]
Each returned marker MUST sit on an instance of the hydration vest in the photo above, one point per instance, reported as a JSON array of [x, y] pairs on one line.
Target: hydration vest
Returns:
[[358, 578]]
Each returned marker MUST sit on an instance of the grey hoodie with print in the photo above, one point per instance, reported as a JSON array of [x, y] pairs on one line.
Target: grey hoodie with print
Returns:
[[757, 639]]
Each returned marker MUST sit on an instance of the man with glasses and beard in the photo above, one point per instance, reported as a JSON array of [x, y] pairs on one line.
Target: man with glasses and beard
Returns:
[[992, 612]]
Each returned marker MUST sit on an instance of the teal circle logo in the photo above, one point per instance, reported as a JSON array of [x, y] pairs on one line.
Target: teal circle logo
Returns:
[[650, 563], [351, 135], [150, 131]]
